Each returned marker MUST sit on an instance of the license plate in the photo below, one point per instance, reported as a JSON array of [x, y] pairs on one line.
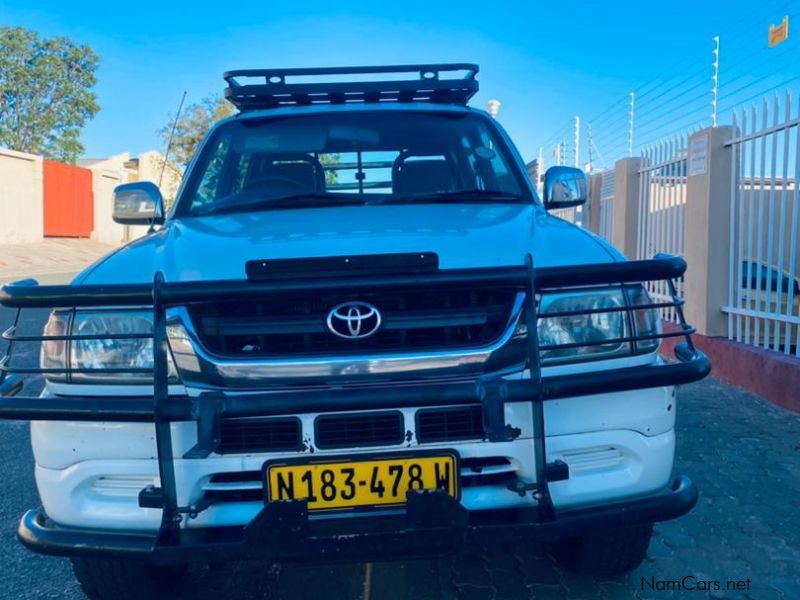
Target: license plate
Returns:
[[360, 482]]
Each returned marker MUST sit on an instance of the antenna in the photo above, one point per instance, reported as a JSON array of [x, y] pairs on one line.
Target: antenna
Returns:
[[152, 227], [169, 140]]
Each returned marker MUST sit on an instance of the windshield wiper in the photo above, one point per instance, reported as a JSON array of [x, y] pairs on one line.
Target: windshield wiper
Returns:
[[305, 200], [457, 196]]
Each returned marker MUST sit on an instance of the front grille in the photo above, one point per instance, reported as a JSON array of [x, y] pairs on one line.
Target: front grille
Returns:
[[295, 325], [355, 430], [239, 436], [449, 424]]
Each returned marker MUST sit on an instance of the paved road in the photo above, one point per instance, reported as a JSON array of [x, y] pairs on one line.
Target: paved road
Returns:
[[51, 260], [743, 453]]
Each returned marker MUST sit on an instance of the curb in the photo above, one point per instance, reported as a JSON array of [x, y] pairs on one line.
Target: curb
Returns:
[[772, 375]]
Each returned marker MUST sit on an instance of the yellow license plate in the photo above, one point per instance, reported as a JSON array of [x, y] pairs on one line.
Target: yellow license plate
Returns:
[[374, 481]]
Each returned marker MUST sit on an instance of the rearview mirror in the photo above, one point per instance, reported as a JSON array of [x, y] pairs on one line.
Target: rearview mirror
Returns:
[[138, 203], [564, 187]]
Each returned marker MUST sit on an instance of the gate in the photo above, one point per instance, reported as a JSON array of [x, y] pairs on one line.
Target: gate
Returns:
[[68, 200], [662, 203]]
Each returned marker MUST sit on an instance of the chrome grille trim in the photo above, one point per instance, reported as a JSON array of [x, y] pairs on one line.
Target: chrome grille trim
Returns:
[[201, 369]]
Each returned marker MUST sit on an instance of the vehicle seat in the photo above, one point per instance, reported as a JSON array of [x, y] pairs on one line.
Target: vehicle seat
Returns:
[[425, 176], [306, 171]]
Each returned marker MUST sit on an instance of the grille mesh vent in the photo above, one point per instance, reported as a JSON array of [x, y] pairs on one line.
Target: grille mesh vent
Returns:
[[240, 436], [448, 424], [355, 430]]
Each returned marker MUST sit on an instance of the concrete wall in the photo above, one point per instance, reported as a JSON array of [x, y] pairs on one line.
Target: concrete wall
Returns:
[[626, 206], [22, 193], [116, 170], [593, 205], [707, 231], [21, 197], [105, 229]]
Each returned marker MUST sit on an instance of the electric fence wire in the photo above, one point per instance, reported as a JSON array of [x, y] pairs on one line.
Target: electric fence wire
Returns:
[[662, 106]]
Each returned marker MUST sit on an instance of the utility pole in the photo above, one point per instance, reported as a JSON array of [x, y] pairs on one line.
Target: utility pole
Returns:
[[540, 170], [577, 141], [715, 82], [630, 123]]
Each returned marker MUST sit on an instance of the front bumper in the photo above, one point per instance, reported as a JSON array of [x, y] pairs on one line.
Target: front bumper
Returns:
[[433, 524]]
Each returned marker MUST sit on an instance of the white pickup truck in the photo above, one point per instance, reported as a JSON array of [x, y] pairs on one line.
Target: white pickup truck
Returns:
[[357, 334]]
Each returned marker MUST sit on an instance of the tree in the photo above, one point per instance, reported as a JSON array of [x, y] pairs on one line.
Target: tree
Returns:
[[195, 121], [193, 124], [46, 93]]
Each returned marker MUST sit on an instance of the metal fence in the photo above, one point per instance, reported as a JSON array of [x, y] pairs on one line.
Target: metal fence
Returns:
[[607, 191], [764, 293], [662, 202], [575, 214]]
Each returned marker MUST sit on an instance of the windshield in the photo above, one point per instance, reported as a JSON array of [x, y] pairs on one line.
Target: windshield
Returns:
[[347, 158]]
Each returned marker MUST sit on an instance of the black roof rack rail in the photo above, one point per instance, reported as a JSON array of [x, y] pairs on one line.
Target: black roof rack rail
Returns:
[[253, 89]]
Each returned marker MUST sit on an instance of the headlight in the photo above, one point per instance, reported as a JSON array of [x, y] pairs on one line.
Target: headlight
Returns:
[[101, 353], [583, 321], [646, 321]]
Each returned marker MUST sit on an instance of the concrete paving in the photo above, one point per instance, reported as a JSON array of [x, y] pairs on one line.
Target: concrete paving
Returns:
[[53, 260], [743, 453]]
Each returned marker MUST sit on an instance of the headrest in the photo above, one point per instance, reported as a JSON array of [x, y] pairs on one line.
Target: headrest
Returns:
[[423, 176]]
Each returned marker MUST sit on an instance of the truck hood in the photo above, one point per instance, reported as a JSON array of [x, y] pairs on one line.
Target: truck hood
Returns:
[[463, 236]]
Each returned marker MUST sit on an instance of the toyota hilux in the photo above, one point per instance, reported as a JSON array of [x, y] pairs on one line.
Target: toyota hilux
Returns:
[[357, 334]]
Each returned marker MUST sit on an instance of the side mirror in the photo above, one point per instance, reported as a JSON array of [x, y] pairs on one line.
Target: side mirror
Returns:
[[138, 203], [564, 187]]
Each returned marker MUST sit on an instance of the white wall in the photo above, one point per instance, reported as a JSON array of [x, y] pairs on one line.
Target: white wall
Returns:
[[22, 194], [105, 229], [21, 197]]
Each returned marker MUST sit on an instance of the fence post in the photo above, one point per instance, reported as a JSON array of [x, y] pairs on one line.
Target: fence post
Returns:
[[707, 229], [626, 205], [593, 204]]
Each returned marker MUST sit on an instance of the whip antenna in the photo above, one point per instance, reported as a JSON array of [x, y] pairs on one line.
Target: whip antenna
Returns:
[[169, 140]]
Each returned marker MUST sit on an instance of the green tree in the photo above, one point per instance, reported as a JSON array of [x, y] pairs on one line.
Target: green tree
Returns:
[[46, 93], [193, 123]]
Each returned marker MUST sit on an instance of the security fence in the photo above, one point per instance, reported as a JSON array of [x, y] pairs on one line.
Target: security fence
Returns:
[[575, 214], [662, 200], [726, 198], [764, 292], [606, 204]]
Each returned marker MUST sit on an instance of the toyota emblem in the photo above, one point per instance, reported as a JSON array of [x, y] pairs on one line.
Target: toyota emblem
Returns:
[[354, 320]]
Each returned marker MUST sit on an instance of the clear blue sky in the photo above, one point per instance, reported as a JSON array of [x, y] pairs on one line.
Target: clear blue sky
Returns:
[[545, 61]]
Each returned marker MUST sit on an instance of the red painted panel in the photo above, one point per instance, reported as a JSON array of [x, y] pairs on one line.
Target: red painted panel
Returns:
[[68, 200]]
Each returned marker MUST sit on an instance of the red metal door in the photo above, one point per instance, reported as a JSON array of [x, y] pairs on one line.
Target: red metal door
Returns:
[[68, 200]]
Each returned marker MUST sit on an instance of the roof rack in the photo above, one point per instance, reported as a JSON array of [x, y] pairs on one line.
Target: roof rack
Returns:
[[252, 89]]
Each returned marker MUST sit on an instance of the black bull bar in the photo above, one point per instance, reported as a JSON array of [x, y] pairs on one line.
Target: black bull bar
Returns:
[[299, 536]]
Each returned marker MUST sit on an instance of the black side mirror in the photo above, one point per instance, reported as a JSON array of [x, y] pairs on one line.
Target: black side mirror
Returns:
[[564, 187]]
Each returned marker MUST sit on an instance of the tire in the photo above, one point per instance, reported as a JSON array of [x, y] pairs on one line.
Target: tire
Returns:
[[605, 551], [120, 579]]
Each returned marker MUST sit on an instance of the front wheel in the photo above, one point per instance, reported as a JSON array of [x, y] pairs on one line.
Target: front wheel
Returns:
[[605, 551], [120, 579]]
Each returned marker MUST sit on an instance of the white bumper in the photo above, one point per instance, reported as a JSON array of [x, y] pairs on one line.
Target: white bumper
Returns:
[[617, 446]]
